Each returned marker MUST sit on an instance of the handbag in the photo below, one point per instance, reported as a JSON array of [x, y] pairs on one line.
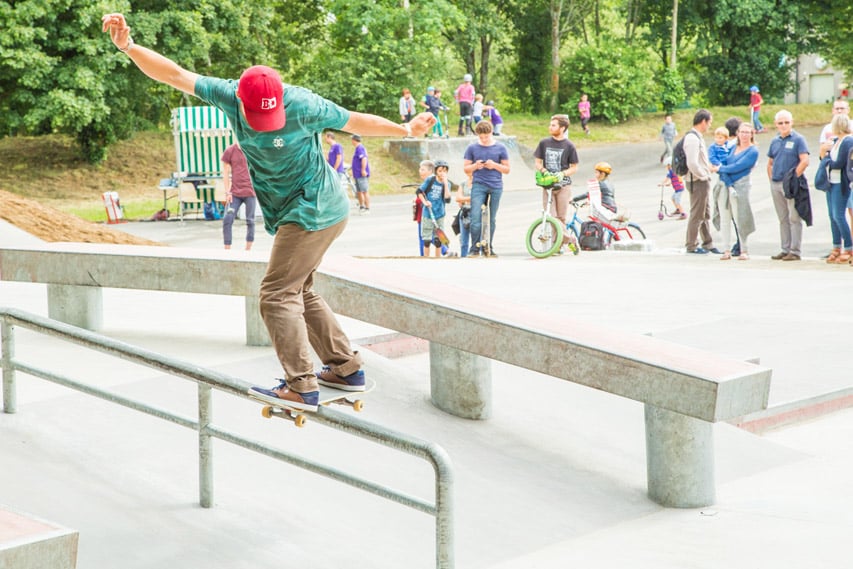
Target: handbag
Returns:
[[821, 178]]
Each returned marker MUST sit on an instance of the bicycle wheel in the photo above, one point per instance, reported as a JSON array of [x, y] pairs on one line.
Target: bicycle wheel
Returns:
[[634, 230], [544, 237]]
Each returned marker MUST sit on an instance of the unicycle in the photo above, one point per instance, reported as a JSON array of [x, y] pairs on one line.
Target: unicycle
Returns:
[[545, 235]]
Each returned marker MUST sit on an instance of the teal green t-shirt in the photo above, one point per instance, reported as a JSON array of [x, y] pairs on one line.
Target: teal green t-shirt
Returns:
[[292, 179]]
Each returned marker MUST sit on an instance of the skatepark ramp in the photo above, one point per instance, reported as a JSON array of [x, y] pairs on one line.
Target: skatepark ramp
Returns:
[[208, 380]]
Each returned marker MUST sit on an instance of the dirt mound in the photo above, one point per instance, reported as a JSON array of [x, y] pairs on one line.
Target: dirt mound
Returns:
[[53, 225]]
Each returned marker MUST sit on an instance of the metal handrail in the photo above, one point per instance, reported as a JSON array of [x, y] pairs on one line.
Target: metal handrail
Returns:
[[207, 380]]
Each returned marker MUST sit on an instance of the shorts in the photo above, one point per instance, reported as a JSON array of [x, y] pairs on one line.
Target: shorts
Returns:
[[676, 197], [361, 184], [428, 227]]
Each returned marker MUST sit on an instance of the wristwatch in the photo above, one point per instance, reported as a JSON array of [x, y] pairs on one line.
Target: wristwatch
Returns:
[[128, 46]]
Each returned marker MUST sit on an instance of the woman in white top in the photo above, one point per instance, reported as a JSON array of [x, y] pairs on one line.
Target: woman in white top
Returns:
[[835, 155]]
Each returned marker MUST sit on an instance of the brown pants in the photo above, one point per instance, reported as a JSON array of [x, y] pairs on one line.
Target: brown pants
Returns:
[[560, 200], [699, 221], [295, 315]]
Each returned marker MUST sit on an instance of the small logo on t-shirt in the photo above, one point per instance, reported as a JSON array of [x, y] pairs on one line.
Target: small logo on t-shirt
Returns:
[[278, 142]]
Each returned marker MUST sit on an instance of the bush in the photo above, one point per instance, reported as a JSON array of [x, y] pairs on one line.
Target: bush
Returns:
[[671, 90], [618, 79]]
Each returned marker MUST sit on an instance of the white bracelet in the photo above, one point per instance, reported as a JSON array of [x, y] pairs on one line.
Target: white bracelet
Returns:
[[129, 45], [408, 128]]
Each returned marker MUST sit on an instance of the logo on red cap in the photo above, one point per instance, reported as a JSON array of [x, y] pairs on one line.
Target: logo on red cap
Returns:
[[261, 91]]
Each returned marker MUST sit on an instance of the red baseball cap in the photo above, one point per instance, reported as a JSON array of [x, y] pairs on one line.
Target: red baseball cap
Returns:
[[261, 91]]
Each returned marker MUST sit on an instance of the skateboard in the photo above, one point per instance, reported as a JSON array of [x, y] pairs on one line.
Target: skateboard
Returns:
[[328, 396]]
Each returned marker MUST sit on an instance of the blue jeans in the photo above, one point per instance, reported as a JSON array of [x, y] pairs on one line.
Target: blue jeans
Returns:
[[755, 122], [836, 203], [464, 239], [478, 198], [231, 213]]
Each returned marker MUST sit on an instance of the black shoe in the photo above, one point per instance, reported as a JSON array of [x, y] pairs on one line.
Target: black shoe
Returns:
[[779, 256], [736, 249], [715, 251]]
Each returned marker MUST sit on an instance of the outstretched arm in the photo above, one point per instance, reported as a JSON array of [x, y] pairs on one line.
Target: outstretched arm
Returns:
[[372, 125], [151, 63]]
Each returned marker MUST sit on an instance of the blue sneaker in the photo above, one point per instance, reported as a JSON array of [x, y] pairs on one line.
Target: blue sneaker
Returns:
[[715, 251], [699, 251], [352, 382], [282, 395]]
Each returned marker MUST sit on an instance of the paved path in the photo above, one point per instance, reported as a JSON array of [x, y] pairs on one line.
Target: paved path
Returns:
[[537, 485]]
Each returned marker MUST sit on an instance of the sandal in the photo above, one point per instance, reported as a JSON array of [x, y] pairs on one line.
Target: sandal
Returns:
[[743, 257], [843, 258], [726, 256], [834, 254]]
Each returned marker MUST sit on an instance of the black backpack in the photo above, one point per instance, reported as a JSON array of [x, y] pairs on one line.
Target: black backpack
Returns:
[[592, 236], [679, 158]]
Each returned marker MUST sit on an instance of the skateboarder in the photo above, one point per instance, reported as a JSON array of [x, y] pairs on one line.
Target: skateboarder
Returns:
[[301, 199]]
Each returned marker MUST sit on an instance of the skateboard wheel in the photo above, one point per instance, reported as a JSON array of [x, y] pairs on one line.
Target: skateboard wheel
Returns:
[[299, 421], [358, 405], [267, 411]]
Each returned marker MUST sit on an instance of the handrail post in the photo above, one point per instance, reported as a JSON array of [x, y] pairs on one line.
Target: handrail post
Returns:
[[444, 525], [7, 337], [205, 446]]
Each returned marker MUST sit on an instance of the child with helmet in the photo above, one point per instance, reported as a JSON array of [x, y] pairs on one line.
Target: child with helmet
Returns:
[[606, 207], [434, 193]]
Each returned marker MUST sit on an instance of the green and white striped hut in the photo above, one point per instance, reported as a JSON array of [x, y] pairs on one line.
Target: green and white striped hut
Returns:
[[201, 136]]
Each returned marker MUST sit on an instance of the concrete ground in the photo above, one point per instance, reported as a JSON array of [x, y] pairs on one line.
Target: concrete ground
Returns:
[[539, 485]]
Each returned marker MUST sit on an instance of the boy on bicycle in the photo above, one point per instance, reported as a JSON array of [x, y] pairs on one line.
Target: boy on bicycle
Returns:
[[434, 193], [606, 209]]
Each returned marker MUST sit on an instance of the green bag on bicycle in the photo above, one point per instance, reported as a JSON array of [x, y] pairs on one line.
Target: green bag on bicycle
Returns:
[[546, 179]]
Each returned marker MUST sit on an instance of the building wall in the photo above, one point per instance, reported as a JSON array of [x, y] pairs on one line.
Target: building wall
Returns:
[[818, 82]]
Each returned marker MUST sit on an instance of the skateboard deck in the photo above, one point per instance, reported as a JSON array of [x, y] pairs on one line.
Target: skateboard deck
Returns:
[[328, 396]]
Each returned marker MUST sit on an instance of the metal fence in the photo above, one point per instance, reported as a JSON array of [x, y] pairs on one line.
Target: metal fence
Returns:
[[207, 380]]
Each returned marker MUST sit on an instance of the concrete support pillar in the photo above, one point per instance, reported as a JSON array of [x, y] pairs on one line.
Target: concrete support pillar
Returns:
[[81, 306], [256, 330], [461, 382], [679, 459]]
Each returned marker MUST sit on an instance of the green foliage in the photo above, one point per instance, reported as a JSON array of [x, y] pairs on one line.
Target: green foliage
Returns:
[[672, 91], [368, 56], [730, 49], [619, 80], [532, 45], [831, 32]]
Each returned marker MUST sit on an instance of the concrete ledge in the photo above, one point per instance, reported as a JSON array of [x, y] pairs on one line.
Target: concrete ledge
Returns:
[[27, 542], [795, 412]]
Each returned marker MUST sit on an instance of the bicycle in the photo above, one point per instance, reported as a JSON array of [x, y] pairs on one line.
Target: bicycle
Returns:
[[614, 227], [545, 235]]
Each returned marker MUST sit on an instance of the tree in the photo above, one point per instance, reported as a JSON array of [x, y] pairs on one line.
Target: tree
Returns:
[[831, 33], [367, 55], [60, 73], [730, 50], [473, 34], [619, 79]]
